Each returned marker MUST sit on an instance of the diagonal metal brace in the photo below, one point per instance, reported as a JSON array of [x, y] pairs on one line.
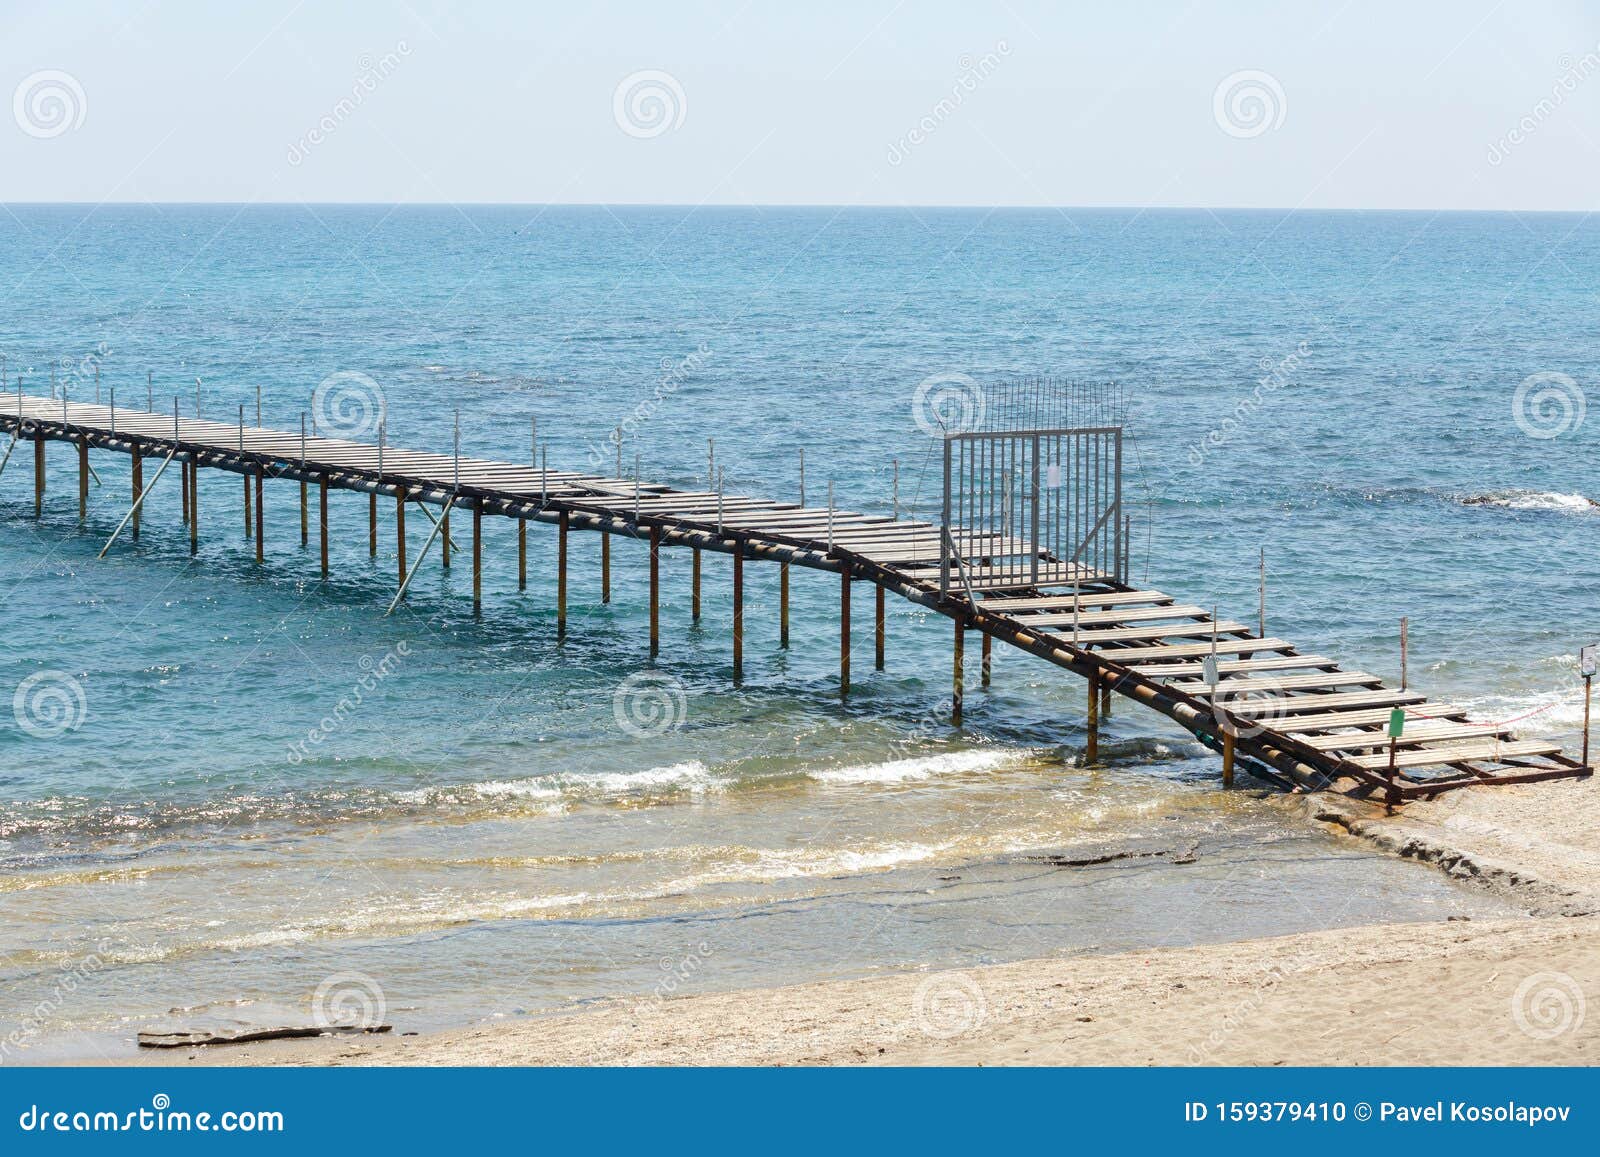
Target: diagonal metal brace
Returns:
[[438, 525], [1093, 530], [449, 539], [139, 501]]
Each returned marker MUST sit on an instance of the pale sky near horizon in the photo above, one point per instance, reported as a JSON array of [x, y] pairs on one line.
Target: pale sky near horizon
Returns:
[[1473, 105]]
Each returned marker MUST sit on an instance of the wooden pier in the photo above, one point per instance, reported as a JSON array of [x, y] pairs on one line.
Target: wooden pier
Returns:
[[1299, 720]]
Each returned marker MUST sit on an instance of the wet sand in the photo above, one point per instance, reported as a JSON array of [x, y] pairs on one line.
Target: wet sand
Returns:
[[1506, 991]]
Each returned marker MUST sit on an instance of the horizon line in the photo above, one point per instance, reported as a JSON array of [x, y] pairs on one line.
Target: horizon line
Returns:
[[761, 205]]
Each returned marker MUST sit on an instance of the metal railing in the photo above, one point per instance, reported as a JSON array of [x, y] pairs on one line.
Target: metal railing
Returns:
[[1031, 506]]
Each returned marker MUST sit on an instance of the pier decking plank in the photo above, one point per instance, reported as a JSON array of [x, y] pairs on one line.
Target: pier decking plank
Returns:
[[1461, 753], [1232, 666], [1178, 651]]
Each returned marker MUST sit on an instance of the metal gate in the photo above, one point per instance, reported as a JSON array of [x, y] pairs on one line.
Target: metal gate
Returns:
[[1024, 508]]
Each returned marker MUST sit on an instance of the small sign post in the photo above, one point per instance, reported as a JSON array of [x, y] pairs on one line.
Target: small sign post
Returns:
[[1397, 728], [1588, 662], [1211, 676], [1261, 591]]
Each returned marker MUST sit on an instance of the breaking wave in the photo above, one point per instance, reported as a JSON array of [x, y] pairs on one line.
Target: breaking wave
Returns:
[[1546, 500], [922, 767]]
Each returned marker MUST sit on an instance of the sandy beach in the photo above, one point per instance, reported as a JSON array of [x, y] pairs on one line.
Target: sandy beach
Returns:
[[1509, 991]]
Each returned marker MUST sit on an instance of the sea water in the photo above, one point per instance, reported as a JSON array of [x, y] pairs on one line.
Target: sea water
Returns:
[[234, 790]]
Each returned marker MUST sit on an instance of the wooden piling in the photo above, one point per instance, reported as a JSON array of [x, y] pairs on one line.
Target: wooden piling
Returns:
[[247, 523], [986, 661], [444, 538], [694, 584], [844, 633], [183, 470], [655, 589], [783, 604], [305, 518], [561, 576], [372, 525], [194, 507], [522, 554], [261, 522], [605, 566], [1227, 758], [880, 629], [477, 558], [958, 682], [738, 612], [400, 529], [38, 475], [137, 464], [322, 521], [1105, 701], [83, 480], [1091, 747]]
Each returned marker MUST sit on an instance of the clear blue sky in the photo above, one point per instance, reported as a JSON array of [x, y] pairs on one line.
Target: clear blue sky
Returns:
[[1382, 104]]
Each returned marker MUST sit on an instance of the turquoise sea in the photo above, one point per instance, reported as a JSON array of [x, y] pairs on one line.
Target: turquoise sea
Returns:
[[253, 792]]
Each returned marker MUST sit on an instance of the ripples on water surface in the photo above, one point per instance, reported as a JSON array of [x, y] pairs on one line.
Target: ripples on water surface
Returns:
[[476, 832]]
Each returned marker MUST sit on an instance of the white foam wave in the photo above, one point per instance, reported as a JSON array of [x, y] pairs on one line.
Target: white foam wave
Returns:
[[522, 790], [1548, 712], [753, 866], [921, 767], [514, 789], [559, 788], [1550, 500], [691, 776]]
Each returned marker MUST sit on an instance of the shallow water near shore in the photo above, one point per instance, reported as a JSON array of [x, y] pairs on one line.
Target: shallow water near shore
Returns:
[[264, 789], [515, 904]]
